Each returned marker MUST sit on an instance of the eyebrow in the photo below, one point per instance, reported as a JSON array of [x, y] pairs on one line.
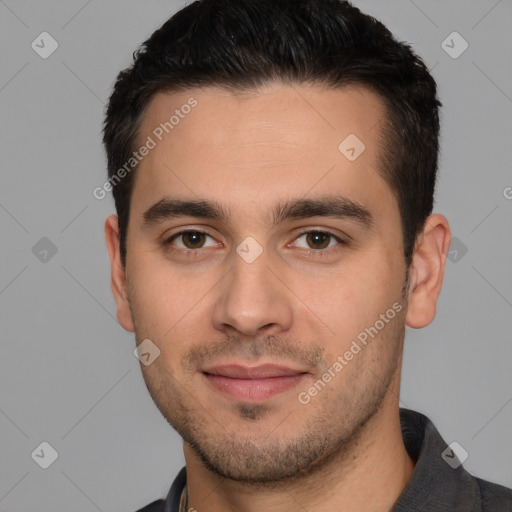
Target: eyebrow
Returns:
[[337, 207]]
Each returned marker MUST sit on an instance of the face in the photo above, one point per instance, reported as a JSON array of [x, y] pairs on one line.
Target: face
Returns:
[[265, 261]]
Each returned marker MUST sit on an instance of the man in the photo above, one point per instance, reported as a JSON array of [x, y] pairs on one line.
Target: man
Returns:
[[273, 165]]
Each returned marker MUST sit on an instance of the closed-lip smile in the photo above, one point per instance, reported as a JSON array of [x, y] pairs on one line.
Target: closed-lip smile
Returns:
[[252, 383]]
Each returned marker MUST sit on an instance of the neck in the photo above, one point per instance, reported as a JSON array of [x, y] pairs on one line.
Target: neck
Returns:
[[369, 475]]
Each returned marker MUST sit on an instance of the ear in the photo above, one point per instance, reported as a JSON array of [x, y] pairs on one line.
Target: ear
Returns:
[[117, 276], [427, 271]]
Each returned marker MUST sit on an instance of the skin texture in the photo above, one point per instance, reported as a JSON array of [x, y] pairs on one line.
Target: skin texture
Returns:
[[301, 303]]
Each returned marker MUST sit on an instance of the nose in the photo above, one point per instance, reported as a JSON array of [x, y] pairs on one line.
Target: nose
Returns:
[[252, 301]]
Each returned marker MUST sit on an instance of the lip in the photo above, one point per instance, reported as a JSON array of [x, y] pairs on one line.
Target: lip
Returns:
[[253, 384], [262, 371]]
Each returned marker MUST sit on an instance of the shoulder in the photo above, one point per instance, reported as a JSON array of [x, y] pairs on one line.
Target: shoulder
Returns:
[[495, 498], [156, 506]]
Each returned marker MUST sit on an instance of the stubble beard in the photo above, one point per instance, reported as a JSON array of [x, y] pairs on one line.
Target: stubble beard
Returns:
[[329, 427]]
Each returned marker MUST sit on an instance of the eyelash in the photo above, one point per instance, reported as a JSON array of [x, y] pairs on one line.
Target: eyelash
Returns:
[[167, 243]]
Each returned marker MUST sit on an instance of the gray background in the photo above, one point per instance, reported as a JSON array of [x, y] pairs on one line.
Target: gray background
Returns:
[[67, 372]]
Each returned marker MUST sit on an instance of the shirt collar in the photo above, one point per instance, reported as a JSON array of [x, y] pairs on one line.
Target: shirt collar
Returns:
[[435, 486], [173, 500]]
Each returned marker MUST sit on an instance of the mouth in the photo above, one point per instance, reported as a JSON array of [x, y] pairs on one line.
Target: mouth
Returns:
[[253, 384]]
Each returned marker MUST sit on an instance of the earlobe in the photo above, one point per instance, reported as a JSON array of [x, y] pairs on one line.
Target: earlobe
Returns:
[[427, 271], [117, 274]]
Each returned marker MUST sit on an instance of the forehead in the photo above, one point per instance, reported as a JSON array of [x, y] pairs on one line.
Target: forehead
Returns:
[[271, 144]]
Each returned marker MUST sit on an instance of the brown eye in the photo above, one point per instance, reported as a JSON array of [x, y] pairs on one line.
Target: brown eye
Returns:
[[318, 240], [189, 241], [193, 239]]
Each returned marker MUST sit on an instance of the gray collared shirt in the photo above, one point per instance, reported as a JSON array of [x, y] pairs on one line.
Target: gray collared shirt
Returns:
[[435, 485]]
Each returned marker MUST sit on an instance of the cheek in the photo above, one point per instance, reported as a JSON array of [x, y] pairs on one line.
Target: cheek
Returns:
[[350, 301], [165, 302]]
